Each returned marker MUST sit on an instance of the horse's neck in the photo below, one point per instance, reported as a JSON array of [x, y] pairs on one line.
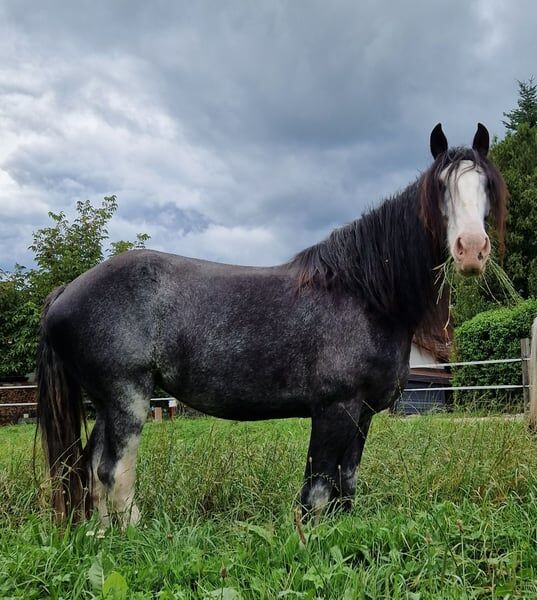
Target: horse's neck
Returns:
[[395, 260], [385, 259]]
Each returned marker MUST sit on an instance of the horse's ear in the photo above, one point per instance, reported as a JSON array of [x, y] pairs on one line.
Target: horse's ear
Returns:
[[481, 140], [438, 141]]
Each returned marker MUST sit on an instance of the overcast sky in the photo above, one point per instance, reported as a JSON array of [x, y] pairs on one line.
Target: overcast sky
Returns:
[[240, 131]]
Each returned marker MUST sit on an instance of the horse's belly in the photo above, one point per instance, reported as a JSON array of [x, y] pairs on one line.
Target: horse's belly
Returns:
[[247, 407]]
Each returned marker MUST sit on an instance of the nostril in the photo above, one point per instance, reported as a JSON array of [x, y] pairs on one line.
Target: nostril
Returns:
[[459, 248], [484, 253]]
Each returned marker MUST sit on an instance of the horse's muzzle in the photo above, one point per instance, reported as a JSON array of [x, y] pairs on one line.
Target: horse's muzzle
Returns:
[[471, 252]]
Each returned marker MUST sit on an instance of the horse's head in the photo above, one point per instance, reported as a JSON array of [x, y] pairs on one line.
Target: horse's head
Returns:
[[458, 193]]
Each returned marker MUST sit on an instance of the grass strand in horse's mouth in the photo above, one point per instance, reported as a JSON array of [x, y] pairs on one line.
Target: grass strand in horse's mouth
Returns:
[[447, 275]]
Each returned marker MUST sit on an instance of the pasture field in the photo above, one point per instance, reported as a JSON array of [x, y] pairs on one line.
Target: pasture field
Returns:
[[445, 508]]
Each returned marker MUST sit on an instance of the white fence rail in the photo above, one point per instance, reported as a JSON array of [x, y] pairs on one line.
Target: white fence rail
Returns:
[[462, 388], [11, 404], [431, 387], [492, 361], [16, 387]]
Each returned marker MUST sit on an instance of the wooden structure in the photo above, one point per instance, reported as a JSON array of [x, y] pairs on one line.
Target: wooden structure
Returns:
[[21, 400]]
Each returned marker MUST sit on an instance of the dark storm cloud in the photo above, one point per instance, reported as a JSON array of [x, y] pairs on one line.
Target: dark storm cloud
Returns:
[[239, 131]]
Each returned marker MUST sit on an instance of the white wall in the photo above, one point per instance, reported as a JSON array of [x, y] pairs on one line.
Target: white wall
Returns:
[[419, 356]]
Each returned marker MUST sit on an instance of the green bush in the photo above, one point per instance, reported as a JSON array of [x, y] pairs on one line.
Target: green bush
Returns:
[[489, 335]]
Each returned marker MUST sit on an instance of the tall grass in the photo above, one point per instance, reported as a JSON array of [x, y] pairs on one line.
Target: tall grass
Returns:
[[446, 507]]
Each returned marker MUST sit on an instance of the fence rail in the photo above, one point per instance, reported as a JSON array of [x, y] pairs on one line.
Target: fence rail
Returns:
[[461, 388], [17, 387], [421, 389], [465, 387], [11, 404], [492, 361]]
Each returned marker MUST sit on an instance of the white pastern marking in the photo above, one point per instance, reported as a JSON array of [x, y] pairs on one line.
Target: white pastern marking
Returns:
[[350, 478], [122, 494], [319, 496], [99, 498]]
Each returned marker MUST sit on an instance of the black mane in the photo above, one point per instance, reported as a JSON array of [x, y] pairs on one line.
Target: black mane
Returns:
[[386, 258]]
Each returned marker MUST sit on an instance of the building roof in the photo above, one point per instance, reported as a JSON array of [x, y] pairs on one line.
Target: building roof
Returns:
[[439, 345]]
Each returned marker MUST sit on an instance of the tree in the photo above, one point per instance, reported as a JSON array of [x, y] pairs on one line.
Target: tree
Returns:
[[63, 251], [123, 246], [516, 158], [527, 107], [19, 316]]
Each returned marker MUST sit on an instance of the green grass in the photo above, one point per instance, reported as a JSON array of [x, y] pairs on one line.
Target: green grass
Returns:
[[445, 508]]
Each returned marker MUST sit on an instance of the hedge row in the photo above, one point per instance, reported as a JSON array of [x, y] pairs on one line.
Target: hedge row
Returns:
[[492, 334]]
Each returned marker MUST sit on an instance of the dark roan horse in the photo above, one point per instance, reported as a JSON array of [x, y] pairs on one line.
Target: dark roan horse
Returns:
[[326, 335]]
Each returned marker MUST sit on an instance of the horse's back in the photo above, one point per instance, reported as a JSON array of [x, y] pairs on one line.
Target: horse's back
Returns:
[[139, 279], [147, 310]]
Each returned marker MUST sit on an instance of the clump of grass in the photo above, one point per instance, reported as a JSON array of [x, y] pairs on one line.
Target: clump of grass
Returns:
[[448, 277], [495, 273], [445, 277]]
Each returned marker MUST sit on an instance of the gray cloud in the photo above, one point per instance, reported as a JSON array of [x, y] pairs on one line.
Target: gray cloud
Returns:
[[239, 131]]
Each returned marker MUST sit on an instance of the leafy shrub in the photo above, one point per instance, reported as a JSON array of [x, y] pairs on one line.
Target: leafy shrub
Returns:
[[491, 335]]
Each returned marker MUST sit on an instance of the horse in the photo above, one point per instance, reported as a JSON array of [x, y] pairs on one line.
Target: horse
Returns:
[[325, 336]]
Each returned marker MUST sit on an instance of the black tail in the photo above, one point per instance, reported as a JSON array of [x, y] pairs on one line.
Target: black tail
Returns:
[[60, 414]]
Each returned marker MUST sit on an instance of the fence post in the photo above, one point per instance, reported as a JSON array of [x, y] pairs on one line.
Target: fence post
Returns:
[[525, 353], [532, 377]]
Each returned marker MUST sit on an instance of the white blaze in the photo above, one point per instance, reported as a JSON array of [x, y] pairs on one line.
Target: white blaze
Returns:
[[466, 204]]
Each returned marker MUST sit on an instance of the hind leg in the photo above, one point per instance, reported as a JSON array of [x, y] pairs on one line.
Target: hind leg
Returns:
[[95, 451], [121, 420]]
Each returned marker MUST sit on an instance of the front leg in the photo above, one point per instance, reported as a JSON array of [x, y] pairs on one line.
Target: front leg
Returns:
[[353, 456], [338, 435]]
